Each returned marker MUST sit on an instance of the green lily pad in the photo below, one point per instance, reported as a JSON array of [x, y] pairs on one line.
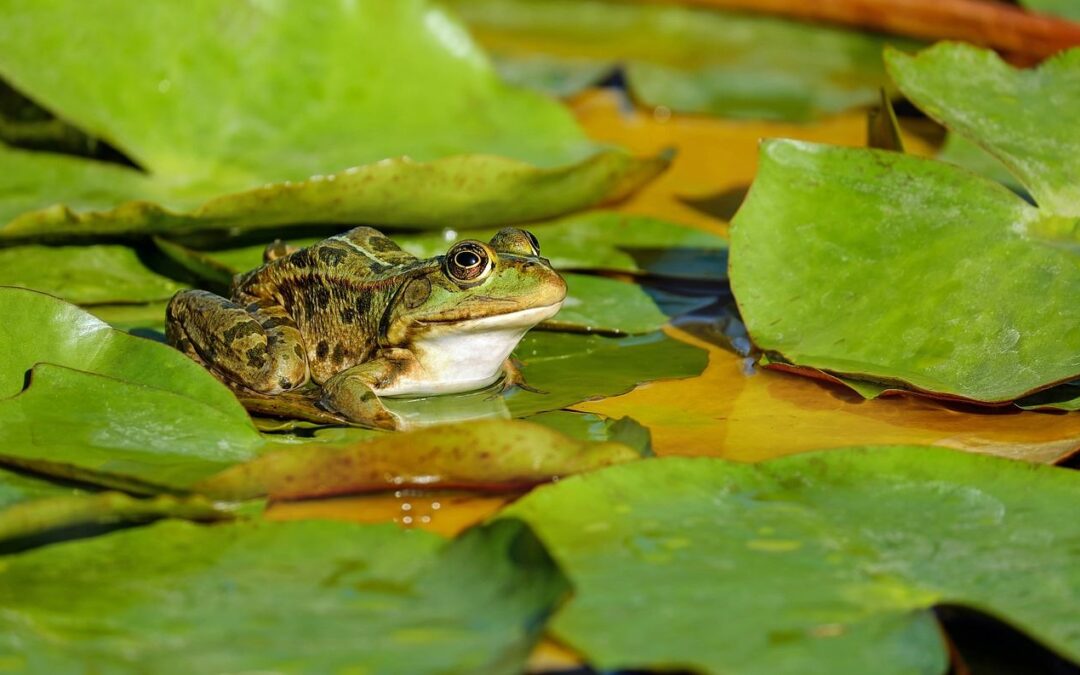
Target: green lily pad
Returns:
[[229, 165], [691, 60], [98, 274], [900, 270], [74, 424], [41, 516], [958, 150], [495, 455], [1014, 114], [40, 328], [822, 562], [312, 596], [16, 487], [599, 429], [606, 241], [1065, 8], [562, 369], [149, 317]]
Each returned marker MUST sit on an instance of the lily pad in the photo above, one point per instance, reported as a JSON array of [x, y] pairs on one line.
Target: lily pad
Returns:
[[499, 455], [41, 516], [563, 369], [74, 424], [40, 328], [1065, 8], [896, 269], [1012, 113], [692, 60], [99, 274], [16, 487], [829, 561], [229, 165], [179, 598]]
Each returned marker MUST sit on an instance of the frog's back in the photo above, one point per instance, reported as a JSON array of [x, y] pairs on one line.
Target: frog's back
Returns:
[[337, 292]]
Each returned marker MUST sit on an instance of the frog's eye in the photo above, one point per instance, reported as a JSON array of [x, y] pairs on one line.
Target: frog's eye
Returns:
[[533, 241], [468, 263], [518, 242]]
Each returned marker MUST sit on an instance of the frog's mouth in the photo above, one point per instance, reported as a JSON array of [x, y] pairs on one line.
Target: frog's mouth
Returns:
[[521, 318]]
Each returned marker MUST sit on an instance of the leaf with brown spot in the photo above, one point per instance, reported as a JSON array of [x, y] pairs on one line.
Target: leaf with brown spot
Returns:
[[483, 455]]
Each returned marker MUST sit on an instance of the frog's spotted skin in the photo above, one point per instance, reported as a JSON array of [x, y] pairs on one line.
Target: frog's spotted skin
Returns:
[[360, 317]]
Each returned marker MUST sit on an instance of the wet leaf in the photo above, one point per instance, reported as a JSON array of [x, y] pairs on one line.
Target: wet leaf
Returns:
[[589, 427], [98, 274], [925, 275], [344, 597], [686, 59], [118, 433], [40, 328], [40, 516], [738, 412], [229, 165], [830, 561], [497, 455], [565, 369], [1013, 113]]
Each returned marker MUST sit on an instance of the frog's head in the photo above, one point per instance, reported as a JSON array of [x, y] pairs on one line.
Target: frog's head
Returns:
[[501, 286]]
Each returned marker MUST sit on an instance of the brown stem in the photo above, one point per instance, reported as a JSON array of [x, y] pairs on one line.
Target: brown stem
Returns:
[[1026, 36]]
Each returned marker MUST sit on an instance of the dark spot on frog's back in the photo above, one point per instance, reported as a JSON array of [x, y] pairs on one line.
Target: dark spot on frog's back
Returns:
[[320, 296], [322, 350], [301, 259], [332, 256], [339, 354], [381, 244], [240, 330], [256, 357], [348, 315]]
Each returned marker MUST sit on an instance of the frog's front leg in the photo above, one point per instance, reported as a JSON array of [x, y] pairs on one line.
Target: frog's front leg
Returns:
[[351, 392], [257, 346], [513, 377]]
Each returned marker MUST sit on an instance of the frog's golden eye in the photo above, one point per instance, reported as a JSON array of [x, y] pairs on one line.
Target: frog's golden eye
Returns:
[[518, 242], [469, 262]]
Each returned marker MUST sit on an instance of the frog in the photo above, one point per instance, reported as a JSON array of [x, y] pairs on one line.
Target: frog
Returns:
[[358, 319]]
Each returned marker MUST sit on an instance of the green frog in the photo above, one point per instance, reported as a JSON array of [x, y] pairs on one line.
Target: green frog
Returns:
[[363, 319]]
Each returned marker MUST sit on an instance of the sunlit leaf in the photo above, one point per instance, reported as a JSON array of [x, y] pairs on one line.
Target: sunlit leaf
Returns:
[[686, 59], [896, 269], [40, 328], [229, 164], [487, 455], [87, 426], [829, 561], [1013, 113], [277, 597], [97, 274]]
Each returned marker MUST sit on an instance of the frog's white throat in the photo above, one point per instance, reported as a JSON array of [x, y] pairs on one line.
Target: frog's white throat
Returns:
[[467, 355]]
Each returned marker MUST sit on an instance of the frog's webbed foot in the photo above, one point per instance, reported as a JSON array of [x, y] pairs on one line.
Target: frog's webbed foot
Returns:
[[513, 377], [351, 393]]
